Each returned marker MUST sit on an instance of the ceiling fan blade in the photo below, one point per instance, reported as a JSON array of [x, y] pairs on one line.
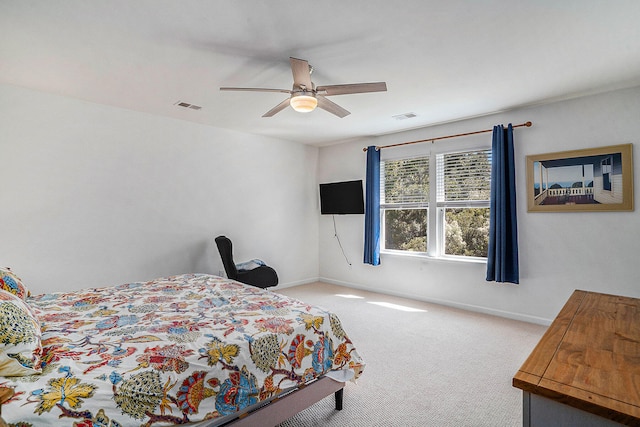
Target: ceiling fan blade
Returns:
[[301, 73], [352, 88], [332, 107], [255, 89], [284, 104]]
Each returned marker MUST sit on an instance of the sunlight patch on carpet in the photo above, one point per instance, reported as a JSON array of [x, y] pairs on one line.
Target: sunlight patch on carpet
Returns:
[[349, 296], [397, 306]]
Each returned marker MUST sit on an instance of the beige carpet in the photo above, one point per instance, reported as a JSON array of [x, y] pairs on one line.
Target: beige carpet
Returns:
[[427, 365]]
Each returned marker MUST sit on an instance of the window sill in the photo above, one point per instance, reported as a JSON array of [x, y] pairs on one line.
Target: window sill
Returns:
[[425, 256]]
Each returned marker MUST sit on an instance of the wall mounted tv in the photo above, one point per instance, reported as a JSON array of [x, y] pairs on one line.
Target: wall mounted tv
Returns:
[[341, 198]]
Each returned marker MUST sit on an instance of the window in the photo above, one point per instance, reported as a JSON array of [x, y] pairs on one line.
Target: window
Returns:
[[457, 224], [464, 191], [404, 200]]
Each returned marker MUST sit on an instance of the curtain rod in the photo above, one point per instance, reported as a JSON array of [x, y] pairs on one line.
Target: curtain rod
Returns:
[[527, 124]]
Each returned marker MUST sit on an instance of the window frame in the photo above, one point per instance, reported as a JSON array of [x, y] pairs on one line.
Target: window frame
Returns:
[[435, 209]]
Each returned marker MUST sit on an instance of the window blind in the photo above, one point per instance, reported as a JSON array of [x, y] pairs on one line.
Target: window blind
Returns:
[[464, 176], [405, 181]]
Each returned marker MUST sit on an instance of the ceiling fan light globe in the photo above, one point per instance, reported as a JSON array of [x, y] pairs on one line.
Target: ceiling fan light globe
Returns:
[[303, 103]]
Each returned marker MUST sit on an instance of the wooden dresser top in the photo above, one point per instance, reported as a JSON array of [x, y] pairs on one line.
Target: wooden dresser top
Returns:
[[589, 357]]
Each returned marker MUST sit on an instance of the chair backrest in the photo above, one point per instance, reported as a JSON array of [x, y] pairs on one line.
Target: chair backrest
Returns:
[[226, 253]]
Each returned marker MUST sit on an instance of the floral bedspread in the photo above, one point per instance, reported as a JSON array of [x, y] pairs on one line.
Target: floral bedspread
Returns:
[[171, 351]]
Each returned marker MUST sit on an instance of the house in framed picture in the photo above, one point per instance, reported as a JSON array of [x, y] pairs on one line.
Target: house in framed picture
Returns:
[[585, 180]]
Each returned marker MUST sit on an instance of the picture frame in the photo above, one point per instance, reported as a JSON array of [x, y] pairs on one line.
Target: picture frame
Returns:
[[587, 180]]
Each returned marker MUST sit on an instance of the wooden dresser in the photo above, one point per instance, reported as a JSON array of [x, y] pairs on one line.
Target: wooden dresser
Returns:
[[585, 371]]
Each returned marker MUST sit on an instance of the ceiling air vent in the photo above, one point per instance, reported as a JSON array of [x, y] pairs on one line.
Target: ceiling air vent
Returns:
[[405, 116], [187, 105]]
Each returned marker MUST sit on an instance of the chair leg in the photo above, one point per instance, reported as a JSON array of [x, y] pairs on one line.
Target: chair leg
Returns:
[[339, 397]]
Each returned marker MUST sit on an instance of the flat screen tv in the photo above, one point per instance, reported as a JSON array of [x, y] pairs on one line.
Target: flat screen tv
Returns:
[[340, 198]]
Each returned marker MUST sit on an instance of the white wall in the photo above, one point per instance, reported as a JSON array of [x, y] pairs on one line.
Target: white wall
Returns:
[[559, 252], [94, 196]]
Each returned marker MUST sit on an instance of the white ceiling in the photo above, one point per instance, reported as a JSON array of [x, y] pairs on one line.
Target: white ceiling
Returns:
[[442, 60]]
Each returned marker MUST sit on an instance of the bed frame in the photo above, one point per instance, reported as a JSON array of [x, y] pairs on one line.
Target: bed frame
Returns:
[[282, 408]]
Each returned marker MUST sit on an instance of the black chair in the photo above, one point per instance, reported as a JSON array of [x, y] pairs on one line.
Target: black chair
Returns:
[[261, 276]]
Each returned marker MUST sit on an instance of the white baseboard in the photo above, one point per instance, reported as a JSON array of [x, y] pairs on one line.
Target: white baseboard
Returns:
[[296, 283], [468, 307]]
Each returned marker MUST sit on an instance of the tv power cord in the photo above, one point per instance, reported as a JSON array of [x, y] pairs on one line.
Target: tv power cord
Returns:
[[335, 234]]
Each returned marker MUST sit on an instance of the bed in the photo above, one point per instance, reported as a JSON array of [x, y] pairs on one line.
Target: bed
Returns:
[[191, 349]]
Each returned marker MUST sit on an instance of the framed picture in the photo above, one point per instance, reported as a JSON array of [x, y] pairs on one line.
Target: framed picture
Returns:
[[594, 179]]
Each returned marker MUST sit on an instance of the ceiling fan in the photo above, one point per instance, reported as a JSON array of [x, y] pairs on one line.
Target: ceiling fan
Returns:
[[305, 96]]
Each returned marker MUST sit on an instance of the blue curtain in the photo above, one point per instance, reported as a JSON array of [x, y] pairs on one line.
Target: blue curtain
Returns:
[[372, 208], [502, 257]]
